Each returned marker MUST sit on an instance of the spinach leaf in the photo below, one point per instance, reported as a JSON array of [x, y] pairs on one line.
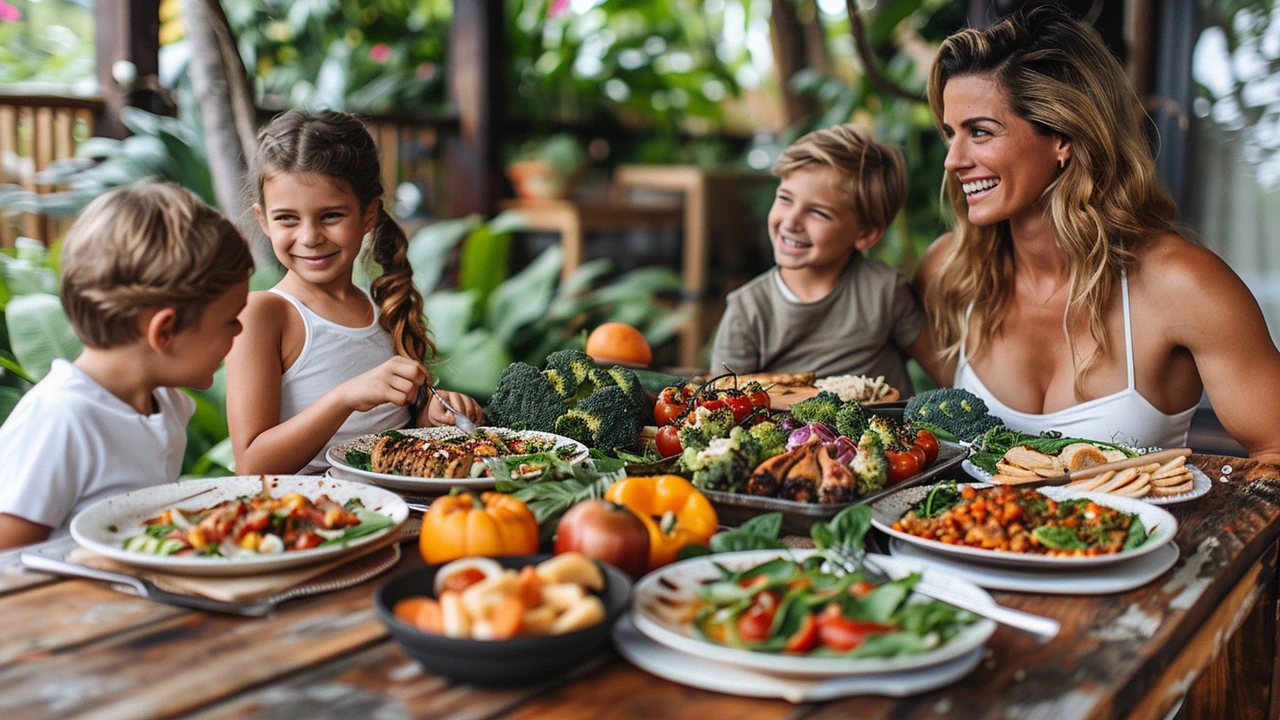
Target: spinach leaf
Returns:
[[841, 540], [879, 605], [370, 523], [1137, 534], [941, 497], [358, 459], [1058, 537]]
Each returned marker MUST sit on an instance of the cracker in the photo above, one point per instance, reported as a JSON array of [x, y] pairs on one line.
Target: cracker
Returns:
[[1172, 468], [1172, 480], [1137, 488], [1185, 487], [1122, 478], [1098, 480]]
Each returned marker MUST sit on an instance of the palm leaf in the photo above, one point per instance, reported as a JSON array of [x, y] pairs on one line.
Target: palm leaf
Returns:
[[9, 398], [39, 332]]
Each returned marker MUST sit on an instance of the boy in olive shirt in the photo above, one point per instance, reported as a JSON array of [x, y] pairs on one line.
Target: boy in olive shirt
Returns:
[[825, 308]]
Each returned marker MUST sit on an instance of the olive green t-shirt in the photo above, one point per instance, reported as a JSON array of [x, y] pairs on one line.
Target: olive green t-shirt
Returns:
[[860, 328]]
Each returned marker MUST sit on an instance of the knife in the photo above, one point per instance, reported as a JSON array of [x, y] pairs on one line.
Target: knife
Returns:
[[144, 588], [1162, 457]]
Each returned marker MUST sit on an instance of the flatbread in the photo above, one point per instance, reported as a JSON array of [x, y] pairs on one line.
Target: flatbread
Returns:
[[1185, 487], [1172, 480], [1122, 478], [770, 379]]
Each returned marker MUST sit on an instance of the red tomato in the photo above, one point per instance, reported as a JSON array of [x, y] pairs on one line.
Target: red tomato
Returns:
[[713, 404], [460, 580], [607, 532], [760, 398], [922, 460], [860, 588], [307, 540], [671, 405], [842, 634], [902, 465], [929, 443], [668, 441], [741, 407], [754, 624], [805, 638]]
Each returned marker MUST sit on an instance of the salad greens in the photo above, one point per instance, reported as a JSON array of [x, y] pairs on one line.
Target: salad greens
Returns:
[[1000, 440]]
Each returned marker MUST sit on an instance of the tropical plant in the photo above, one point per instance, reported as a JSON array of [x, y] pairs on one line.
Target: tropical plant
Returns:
[[49, 41]]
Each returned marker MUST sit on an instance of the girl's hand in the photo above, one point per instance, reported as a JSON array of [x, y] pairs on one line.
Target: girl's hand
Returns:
[[395, 381], [436, 414]]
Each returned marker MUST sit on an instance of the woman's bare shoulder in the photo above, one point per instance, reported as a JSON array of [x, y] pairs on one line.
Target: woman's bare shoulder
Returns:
[[1169, 264], [933, 259]]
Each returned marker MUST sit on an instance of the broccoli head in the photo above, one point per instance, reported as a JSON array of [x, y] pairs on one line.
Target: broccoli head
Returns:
[[725, 464], [630, 384], [886, 430], [703, 425], [524, 398], [851, 420], [605, 420], [869, 466], [772, 439], [822, 408], [957, 411]]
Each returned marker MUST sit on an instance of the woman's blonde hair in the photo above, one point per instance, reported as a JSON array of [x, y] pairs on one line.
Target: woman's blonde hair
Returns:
[[144, 246], [1056, 74], [873, 175], [337, 146]]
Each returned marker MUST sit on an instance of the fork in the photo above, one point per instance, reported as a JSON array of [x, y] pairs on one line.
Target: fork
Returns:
[[1044, 629], [463, 423]]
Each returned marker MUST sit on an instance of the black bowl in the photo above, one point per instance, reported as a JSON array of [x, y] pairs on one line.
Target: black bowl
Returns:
[[498, 662]]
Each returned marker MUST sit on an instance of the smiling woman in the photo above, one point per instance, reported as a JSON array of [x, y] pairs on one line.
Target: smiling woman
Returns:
[[1064, 284]]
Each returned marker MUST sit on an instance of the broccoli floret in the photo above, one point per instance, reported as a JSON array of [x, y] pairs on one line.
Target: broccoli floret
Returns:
[[869, 466], [605, 420], [822, 408], [578, 371], [772, 439], [851, 420], [630, 384], [725, 464], [957, 411], [887, 430], [565, 386], [703, 425], [524, 397]]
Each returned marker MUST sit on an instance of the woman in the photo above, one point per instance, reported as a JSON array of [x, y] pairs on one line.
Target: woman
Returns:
[[1064, 297]]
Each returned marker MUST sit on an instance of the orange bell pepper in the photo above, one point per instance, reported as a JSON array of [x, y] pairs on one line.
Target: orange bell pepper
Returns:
[[672, 510], [467, 524]]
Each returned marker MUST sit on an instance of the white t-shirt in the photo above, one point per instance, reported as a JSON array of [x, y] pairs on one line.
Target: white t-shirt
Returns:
[[70, 443]]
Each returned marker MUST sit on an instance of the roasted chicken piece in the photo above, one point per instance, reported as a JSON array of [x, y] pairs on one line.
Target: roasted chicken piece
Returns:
[[770, 474], [801, 481], [838, 485]]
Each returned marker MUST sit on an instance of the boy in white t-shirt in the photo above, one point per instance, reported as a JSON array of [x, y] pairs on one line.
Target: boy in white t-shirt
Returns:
[[152, 282]]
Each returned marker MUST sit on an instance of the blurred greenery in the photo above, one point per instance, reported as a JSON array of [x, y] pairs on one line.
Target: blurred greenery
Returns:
[[47, 41]]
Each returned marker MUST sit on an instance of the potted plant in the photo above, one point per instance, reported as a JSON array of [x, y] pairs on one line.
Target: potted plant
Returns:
[[548, 168]]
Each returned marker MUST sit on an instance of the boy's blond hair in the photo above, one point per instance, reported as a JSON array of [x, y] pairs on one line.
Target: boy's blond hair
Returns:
[[873, 175], [143, 246]]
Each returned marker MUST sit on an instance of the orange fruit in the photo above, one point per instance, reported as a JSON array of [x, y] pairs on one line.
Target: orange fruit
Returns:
[[620, 343]]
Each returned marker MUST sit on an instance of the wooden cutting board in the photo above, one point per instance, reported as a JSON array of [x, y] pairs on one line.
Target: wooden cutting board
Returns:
[[782, 398]]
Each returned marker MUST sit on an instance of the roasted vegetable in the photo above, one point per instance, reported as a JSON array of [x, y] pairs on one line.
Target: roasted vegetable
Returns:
[[869, 466], [772, 439], [725, 464], [822, 408], [703, 425]]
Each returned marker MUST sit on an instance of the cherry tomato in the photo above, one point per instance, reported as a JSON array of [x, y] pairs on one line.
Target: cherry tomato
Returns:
[[741, 407], [754, 624], [671, 405], [860, 588], [902, 465], [607, 532], [842, 634], [668, 441], [760, 398], [922, 460], [307, 540], [713, 404], [929, 443], [805, 638]]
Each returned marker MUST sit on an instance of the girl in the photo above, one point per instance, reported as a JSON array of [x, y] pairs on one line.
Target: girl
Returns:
[[319, 361]]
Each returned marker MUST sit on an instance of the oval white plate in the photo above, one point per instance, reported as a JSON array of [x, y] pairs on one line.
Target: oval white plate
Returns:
[[677, 583], [92, 528], [1116, 578], [1160, 526], [337, 457], [1201, 484], [660, 660]]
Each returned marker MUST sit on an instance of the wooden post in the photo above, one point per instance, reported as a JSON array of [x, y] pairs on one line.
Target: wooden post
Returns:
[[476, 81], [126, 30]]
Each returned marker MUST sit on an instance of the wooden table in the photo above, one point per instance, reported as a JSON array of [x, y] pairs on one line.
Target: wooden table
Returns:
[[71, 648]]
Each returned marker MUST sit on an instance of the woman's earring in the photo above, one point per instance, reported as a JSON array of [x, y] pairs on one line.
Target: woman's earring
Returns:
[[1062, 163]]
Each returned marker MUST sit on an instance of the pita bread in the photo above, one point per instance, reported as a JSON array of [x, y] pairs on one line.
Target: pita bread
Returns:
[[1122, 478], [1172, 480], [1187, 486]]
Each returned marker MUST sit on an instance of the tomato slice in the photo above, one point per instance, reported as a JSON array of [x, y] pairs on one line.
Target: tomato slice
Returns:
[[754, 624], [841, 634], [462, 579], [805, 638], [668, 441]]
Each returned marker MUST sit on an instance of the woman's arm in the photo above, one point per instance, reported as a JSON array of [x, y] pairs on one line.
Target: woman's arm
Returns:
[[925, 350]]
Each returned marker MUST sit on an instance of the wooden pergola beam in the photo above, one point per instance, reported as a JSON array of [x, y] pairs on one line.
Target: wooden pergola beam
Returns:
[[129, 31]]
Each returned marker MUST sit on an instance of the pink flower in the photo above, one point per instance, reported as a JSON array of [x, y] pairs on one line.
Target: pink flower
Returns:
[[9, 13], [379, 53], [557, 8]]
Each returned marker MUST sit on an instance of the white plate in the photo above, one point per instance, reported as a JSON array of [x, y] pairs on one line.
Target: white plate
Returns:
[[658, 659], [92, 528], [337, 457], [1117, 578], [1201, 484], [654, 596], [1160, 526]]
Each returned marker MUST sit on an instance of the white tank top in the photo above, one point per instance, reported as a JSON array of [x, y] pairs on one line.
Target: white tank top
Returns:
[[331, 355], [1125, 416]]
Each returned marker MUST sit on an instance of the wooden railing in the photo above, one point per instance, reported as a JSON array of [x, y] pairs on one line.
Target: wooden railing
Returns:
[[35, 130]]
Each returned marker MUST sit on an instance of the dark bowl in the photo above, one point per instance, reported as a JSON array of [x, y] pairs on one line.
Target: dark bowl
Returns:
[[498, 662]]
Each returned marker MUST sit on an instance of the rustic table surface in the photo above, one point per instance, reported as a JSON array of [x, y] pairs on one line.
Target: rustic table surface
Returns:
[[1207, 627]]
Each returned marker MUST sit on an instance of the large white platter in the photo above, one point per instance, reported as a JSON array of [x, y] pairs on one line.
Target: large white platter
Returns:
[[1201, 484], [674, 585], [1108, 579], [658, 659], [337, 457], [1160, 526], [103, 527]]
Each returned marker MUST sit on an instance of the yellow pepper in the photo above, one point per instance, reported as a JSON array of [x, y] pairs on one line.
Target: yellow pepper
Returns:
[[467, 524], [672, 510]]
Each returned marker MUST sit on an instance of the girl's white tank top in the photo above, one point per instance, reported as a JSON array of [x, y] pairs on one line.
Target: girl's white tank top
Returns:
[[331, 355], [1124, 416]]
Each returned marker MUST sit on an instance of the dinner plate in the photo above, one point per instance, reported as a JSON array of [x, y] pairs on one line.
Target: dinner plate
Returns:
[[104, 526], [664, 662], [661, 597], [337, 457], [1160, 526], [1201, 484], [1116, 578]]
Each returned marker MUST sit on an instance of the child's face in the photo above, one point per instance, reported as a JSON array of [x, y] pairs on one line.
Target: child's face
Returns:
[[196, 352], [811, 225], [316, 226]]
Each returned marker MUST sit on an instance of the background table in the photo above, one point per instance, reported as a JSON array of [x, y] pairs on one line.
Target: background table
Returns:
[[75, 648]]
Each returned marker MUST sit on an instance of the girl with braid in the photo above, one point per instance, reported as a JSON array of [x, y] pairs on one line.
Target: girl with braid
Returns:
[[320, 361]]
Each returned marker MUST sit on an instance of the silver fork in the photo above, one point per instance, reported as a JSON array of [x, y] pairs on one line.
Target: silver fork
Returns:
[[463, 423], [1044, 629]]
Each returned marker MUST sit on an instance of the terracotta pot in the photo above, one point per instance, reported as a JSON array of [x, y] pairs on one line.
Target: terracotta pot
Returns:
[[537, 180]]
